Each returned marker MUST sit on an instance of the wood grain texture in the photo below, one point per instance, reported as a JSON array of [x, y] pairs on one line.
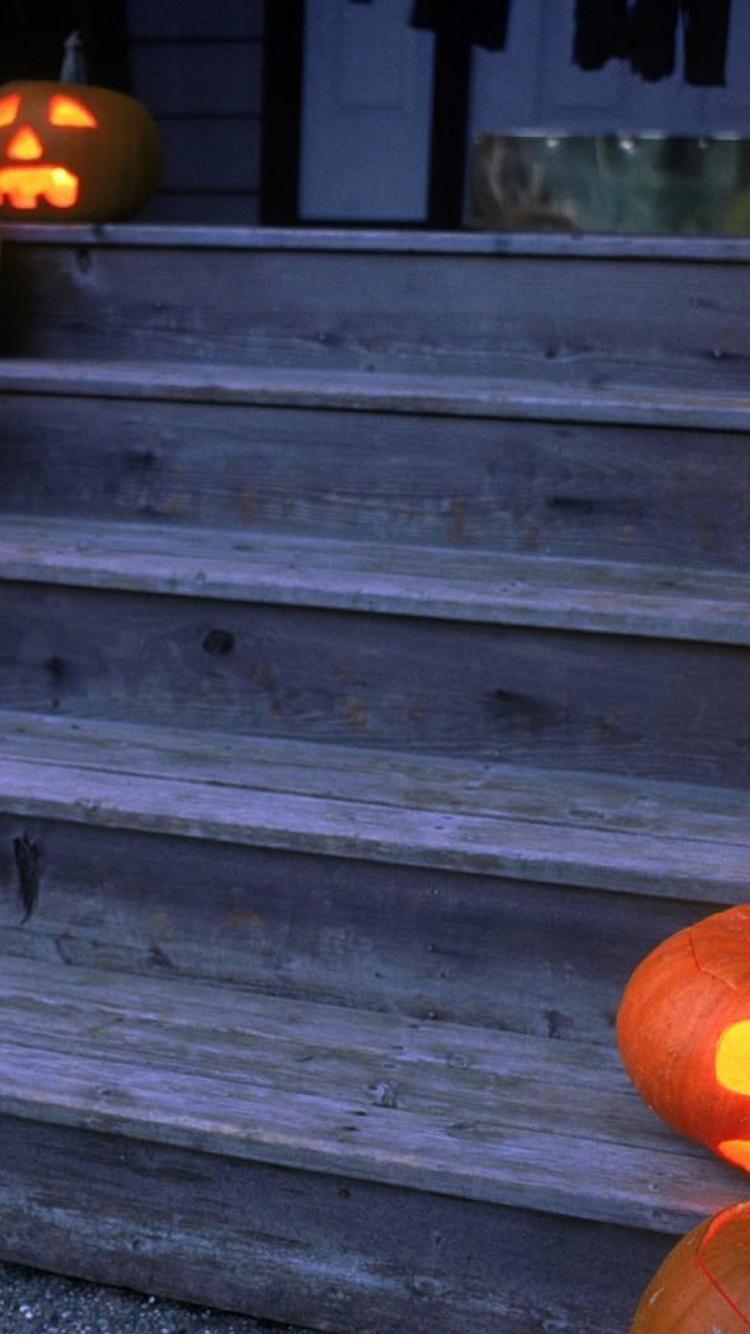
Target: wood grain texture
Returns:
[[426, 395], [559, 828], [457, 463], [482, 950], [343, 785], [587, 321], [671, 249], [296, 1246], [501, 1117], [556, 699], [660, 602]]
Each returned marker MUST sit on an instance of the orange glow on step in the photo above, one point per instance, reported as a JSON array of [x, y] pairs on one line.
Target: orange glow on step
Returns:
[[25, 186]]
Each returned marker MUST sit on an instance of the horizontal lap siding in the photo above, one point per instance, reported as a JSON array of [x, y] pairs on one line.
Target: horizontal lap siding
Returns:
[[199, 70]]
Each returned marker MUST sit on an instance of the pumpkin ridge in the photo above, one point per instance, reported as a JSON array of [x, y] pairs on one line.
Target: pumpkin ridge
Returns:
[[715, 1226], [705, 968]]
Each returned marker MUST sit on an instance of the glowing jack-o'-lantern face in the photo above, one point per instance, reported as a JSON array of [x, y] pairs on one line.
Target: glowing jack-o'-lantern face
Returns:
[[684, 1032], [704, 1283], [70, 152], [29, 177]]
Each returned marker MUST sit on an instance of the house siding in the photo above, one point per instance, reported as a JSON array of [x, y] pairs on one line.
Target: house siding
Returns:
[[199, 70]]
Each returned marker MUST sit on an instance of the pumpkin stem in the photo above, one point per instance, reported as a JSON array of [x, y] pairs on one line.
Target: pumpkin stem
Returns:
[[74, 69]]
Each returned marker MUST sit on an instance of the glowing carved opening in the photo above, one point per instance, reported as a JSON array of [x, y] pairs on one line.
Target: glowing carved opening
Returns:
[[736, 1151], [9, 109], [24, 186], [25, 146], [733, 1058], [69, 111]]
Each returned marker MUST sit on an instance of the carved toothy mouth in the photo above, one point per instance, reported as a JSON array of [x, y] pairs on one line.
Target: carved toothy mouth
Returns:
[[25, 186]]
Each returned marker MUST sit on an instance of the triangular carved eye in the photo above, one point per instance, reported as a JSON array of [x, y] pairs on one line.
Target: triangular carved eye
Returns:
[[9, 108], [64, 110]]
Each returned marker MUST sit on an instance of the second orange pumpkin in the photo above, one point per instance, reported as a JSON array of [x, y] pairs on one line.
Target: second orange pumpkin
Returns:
[[684, 1032]]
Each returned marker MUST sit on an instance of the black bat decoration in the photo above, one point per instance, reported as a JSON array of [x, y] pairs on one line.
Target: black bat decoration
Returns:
[[27, 855]]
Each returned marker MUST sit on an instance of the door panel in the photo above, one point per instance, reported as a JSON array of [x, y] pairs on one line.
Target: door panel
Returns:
[[367, 105]]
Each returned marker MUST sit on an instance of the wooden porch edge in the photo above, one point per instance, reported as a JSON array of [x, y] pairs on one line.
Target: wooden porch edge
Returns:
[[385, 241], [436, 394]]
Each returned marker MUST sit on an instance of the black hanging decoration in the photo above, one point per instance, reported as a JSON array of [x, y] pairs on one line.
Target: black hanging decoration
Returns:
[[645, 34], [601, 32], [480, 22], [653, 33]]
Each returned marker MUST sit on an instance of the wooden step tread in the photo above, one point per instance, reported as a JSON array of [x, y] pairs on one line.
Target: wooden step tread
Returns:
[[604, 597], [362, 391], [436, 1107], [558, 828], [358, 240]]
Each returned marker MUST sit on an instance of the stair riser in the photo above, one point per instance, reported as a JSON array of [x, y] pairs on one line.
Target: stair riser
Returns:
[[584, 319], [331, 1252], [588, 491], [637, 706], [532, 958]]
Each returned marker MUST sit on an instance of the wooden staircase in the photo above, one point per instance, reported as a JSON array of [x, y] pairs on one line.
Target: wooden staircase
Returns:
[[375, 692]]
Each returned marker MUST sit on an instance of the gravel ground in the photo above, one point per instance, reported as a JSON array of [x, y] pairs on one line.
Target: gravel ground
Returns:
[[35, 1303]]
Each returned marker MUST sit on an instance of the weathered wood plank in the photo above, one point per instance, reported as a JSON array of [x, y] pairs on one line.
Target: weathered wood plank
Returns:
[[565, 489], [446, 395], [372, 1097], [557, 828], [522, 315], [480, 949], [556, 699], [694, 249], [469, 949], [606, 598], [306, 1247], [676, 812]]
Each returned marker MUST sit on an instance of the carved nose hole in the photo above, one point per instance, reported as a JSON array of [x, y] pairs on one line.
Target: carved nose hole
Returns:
[[25, 146]]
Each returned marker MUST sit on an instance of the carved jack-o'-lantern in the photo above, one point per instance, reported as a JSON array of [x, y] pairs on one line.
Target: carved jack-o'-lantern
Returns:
[[703, 1286], [684, 1032], [69, 152]]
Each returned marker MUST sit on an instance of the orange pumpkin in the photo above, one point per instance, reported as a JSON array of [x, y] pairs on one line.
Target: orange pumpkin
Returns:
[[703, 1286], [69, 152], [683, 1030]]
